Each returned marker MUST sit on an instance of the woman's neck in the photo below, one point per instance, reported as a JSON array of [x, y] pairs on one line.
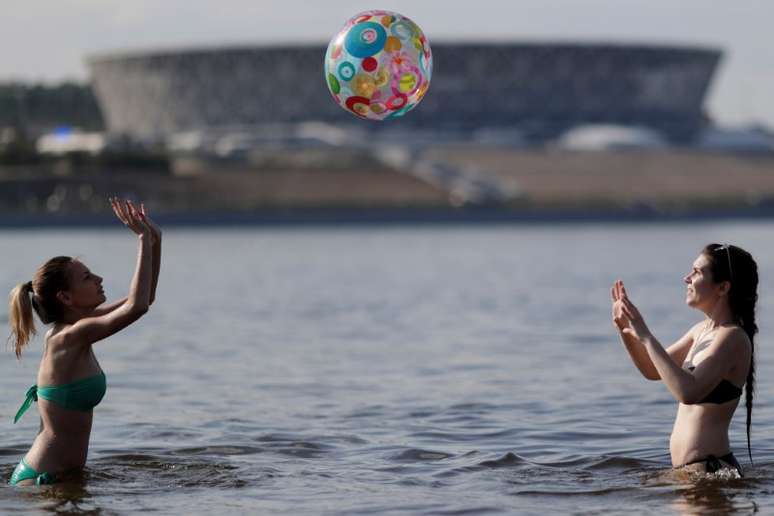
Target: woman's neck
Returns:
[[73, 316], [719, 316]]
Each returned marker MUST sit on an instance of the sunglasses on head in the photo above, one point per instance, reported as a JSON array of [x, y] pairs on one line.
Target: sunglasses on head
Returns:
[[727, 247]]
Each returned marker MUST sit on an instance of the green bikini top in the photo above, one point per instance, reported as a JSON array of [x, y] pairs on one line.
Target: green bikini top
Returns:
[[82, 395]]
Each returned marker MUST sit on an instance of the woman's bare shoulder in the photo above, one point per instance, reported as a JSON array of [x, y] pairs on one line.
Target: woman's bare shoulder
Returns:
[[696, 330], [733, 335], [59, 339]]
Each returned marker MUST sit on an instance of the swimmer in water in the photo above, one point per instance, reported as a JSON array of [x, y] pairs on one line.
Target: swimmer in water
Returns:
[[70, 381], [706, 369]]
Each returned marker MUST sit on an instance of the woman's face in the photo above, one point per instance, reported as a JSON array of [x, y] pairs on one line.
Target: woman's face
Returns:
[[701, 290], [85, 290]]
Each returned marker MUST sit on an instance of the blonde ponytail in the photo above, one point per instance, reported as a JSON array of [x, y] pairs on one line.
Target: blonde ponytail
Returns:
[[20, 316], [49, 279]]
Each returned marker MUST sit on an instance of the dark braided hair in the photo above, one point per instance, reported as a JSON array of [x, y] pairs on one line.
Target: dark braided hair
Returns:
[[734, 264]]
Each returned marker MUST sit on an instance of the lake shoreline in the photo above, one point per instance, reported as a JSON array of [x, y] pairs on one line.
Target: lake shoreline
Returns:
[[400, 217]]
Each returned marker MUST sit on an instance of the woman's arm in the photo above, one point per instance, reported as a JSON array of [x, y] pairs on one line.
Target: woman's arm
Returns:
[[156, 230], [92, 329], [156, 261], [642, 359], [639, 355], [108, 307], [686, 387], [691, 387]]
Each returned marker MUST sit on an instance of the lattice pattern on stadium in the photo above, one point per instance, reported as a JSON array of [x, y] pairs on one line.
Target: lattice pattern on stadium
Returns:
[[542, 89]]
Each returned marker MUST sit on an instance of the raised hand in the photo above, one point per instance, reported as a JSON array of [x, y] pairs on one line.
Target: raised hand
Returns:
[[130, 216], [626, 315], [151, 224], [619, 317]]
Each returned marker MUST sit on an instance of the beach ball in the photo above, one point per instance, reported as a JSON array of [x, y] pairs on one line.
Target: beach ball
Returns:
[[379, 65]]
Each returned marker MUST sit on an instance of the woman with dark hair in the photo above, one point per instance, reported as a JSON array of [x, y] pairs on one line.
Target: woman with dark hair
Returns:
[[706, 368], [70, 381]]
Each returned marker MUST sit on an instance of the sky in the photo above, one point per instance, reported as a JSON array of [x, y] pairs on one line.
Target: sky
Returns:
[[49, 40]]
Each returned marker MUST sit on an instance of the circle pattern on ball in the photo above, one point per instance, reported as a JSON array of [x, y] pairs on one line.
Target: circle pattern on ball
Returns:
[[370, 64], [358, 105], [378, 66], [346, 71], [365, 39], [402, 30], [397, 101]]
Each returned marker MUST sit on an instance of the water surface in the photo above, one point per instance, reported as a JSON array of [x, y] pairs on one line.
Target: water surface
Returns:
[[436, 370]]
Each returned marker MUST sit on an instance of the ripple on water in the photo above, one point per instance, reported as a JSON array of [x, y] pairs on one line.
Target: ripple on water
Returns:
[[367, 412], [419, 455], [290, 445], [215, 451], [509, 460], [130, 473], [466, 435], [154, 472], [469, 510], [14, 450]]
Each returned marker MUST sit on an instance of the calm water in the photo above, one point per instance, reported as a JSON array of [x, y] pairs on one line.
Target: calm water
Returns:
[[389, 371]]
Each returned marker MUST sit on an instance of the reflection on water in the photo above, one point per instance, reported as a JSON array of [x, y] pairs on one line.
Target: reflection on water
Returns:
[[398, 370], [717, 494]]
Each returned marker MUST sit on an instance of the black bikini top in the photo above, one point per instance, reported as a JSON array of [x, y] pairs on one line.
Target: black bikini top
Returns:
[[723, 392]]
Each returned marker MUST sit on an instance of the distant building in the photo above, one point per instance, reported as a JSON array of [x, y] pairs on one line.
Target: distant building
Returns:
[[539, 90], [33, 109], [743, 139], [609, 137], [66, 140]]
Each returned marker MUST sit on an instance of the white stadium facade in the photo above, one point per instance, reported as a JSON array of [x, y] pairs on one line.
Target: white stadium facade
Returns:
[[541, 90]]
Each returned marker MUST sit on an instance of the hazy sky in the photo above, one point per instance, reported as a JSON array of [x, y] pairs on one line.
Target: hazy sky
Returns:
[[48, 40]]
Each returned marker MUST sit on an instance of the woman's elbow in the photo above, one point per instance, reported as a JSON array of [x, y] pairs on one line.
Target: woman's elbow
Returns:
[[138, 309]]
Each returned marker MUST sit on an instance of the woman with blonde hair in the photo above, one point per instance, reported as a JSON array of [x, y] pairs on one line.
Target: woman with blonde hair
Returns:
[[70, 382]]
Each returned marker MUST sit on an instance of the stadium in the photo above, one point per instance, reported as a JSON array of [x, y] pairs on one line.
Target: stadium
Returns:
[[541, 90]]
